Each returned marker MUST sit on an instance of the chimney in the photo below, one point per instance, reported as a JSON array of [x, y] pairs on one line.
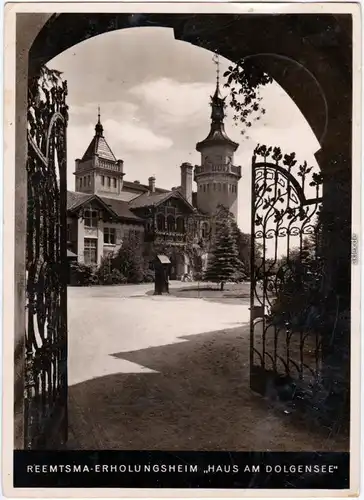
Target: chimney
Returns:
[[186, 181], [151, 182]]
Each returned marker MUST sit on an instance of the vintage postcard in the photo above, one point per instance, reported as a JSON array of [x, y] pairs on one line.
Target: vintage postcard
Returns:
[[181, 249]]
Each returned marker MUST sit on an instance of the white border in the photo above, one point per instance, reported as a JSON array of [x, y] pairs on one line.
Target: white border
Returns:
[[11, 9]]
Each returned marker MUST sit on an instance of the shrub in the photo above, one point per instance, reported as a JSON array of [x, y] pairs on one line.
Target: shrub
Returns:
[[82, 274], [129, 260], [117, 278], [149, 276]]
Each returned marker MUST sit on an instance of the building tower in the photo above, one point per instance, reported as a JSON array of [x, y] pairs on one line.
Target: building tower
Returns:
[[217, 178], [99, 172]]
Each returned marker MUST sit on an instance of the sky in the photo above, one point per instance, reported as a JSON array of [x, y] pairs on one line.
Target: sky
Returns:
[[154, 92]]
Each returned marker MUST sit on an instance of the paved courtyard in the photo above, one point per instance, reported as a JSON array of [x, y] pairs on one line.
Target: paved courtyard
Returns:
[[169, 373]]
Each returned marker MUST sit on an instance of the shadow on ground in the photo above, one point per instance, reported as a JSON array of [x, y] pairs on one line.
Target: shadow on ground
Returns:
[[233, 293], [197, 398]]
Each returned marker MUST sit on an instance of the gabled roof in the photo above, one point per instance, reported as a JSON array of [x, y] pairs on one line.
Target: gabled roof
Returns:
[[143, 188], [117, 208], [155, 199], [75, 199], [99, 146]]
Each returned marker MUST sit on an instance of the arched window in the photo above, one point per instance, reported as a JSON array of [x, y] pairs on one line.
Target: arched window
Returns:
[[204, 230], [161, 221], [171, 224], [180, 225]]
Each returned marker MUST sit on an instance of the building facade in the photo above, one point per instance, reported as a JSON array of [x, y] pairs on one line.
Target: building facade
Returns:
[[105, 209]]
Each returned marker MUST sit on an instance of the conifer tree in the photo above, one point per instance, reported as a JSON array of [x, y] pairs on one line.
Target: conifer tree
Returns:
[[223, 262]]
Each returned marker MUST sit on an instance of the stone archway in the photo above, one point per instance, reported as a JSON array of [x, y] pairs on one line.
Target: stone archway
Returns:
[[305, 39], [295, 37]]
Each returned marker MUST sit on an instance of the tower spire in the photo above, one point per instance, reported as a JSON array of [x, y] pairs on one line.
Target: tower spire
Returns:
[[99, 129], [217, 101], [216, 60]]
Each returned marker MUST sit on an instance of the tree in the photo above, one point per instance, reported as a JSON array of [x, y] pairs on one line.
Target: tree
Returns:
[[129, 259], [223, 262]]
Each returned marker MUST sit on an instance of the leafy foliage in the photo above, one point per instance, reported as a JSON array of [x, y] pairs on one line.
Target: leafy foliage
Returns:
[[107, 274], [244, 81], [129, 259], [82, 274]]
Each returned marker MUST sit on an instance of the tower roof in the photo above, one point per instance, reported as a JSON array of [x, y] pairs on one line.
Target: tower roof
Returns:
[[217, 134], [98, 145]]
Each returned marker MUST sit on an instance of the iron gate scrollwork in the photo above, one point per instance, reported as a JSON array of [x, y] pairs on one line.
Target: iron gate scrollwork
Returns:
[[46, 264], [286, 276]]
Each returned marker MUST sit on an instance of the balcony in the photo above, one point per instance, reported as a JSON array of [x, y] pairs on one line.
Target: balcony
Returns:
[[167, 237], [221, 168], [236, 170]]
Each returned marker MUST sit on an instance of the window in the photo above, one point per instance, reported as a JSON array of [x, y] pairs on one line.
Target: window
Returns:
[[214, 186], [219, 186], [204, 187], [89, 180], [224, 186], [81, 182], [204, 230], [180, 225], [114, 182], [160, 222], [90, 251], [170, 224], [68, 232], [90, 217], [108, 181], [103, 180], [109, 235]]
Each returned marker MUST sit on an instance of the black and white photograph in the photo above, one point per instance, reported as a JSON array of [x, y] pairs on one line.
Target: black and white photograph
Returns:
[[181, 247]]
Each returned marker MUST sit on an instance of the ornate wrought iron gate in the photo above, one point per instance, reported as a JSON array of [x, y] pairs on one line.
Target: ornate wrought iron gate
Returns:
[[286, 273], [46, 264]]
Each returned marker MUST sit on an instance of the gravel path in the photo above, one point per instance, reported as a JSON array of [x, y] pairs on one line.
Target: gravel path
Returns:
[[166, 373]]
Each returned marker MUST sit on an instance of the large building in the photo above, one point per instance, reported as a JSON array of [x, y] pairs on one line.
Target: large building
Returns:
[[105, 208]]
